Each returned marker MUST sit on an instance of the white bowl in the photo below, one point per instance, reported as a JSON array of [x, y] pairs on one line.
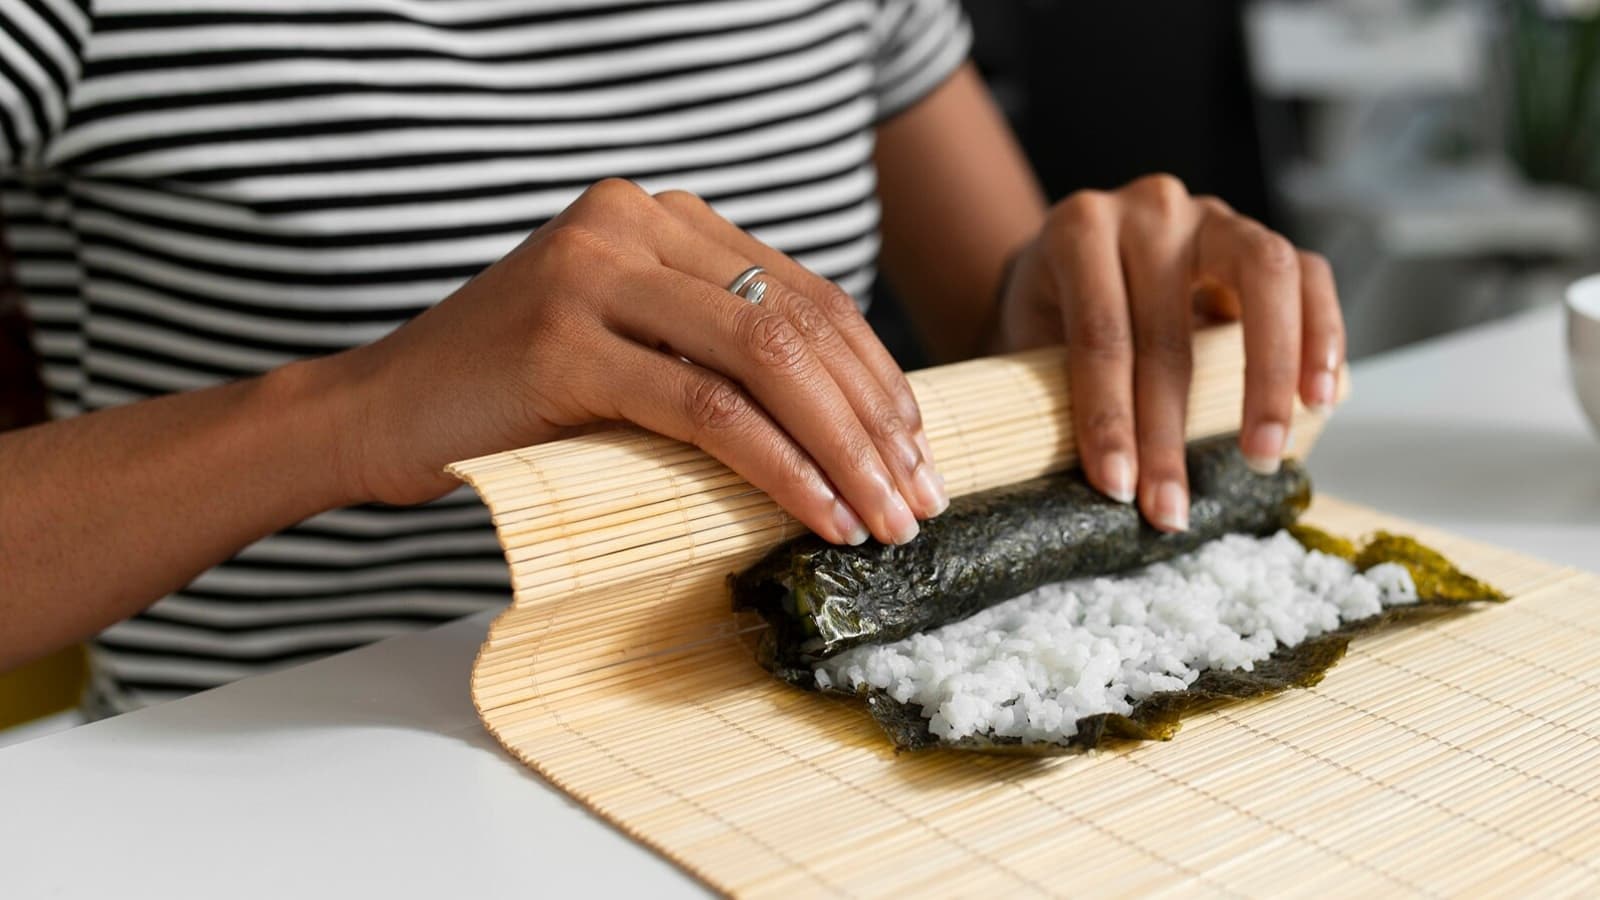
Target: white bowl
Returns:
[[1583, 343]]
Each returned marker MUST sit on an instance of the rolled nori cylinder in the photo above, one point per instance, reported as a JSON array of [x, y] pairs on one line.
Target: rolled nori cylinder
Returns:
[[821, 599], [1441, 589]]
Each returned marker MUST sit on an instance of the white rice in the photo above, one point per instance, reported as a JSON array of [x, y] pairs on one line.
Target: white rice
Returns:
[[1032, 666]]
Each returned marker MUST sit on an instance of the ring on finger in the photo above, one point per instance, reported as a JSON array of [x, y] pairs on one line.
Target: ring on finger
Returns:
[[749, 286]]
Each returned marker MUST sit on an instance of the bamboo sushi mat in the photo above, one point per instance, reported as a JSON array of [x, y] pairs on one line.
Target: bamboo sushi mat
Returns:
[[1461, 756]]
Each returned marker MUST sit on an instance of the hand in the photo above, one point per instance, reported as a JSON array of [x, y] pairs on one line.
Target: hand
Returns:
[[618, 310], [1120, 277]]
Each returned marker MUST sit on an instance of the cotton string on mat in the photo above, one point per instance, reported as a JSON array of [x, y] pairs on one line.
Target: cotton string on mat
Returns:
[[1457, 756]]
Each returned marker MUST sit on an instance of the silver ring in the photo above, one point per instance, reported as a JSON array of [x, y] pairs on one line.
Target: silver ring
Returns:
[[748, 287]]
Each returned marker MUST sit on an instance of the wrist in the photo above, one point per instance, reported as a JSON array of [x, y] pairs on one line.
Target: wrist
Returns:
[[315, 406]]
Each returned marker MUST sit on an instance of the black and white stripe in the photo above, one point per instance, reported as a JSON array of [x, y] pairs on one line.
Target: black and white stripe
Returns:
[[201, 190]]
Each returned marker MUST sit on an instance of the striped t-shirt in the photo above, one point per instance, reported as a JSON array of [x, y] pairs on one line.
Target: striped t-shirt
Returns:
[[202, 190]]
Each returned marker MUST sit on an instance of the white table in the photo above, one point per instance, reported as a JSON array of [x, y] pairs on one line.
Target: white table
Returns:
[[368, 772], [1478, 433]]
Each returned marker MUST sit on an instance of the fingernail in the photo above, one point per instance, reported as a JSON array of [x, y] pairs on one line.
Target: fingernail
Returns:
[[898, 522], [1172, 506], [1117, 470], [850, 526], [1321, 391], [1264, 453], [929, 488]]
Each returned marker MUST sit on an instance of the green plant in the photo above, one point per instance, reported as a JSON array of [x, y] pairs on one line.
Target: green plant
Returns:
[[1555, 115]]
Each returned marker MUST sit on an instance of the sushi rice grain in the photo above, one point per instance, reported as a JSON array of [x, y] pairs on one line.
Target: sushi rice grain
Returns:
[[1031, 667]]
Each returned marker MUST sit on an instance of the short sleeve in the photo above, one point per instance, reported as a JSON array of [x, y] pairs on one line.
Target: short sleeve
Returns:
[[920, 43], [41, 57]]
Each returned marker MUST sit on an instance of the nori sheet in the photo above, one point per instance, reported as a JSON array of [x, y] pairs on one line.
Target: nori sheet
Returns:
[[821, 599], [1441, 588]]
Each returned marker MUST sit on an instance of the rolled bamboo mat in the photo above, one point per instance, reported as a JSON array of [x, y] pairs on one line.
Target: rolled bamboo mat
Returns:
[[1459, 755]]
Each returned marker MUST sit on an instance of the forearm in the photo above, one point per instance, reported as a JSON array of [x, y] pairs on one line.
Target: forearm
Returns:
[[105, 513], [583, 323], [959, 200]]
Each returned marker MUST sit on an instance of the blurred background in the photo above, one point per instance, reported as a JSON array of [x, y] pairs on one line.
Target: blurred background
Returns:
[[1442, 153]]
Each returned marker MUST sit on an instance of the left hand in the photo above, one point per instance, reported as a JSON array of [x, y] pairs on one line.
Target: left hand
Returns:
[[1120, 276]]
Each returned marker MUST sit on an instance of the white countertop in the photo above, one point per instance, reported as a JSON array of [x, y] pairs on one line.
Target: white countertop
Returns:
[[1478, 433], [368, 773]]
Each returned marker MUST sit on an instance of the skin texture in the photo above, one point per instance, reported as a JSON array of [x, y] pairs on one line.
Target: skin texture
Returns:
[[630, 321], [1119, 276]]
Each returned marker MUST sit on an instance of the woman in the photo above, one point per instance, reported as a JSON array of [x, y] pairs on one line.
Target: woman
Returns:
[[288, 261]]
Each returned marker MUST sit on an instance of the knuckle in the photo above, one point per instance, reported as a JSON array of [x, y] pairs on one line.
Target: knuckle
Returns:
[[573, 254], [1314, 264], [715, 405], [1080, 210], [861, 457], [1101, 333], [613, 194], [884, 423], [838, 305], [1106, 427], [1166, 193], [1170, 345], [812, 325], [1213, 206], [1271, 251], [680, 201], [773, 343]]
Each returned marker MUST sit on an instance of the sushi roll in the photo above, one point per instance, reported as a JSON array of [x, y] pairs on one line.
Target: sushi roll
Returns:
[[821, 598], [1043, 618]]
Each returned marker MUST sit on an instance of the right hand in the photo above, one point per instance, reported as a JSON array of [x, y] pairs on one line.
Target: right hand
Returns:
[[617, 310]]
